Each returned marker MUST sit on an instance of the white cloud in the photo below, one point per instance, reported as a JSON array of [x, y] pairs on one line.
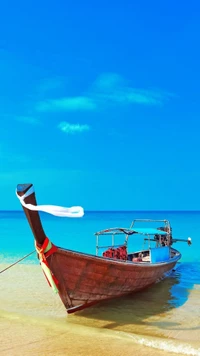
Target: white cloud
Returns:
[[108, 82], [111, 87], [73, 128], [108, 89], [77, 103]]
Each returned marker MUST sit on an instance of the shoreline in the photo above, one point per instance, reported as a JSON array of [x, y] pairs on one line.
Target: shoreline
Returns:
[[36, 337]]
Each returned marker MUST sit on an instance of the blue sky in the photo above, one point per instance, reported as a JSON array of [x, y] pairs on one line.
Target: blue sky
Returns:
[[99, 103]]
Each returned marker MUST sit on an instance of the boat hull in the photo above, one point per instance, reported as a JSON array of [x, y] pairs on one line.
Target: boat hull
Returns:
[[84, 280]]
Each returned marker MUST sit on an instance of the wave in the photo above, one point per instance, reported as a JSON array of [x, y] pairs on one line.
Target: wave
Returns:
[[168, 345]]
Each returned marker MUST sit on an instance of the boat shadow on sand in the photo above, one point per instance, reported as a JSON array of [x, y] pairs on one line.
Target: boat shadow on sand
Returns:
[[156, 301]]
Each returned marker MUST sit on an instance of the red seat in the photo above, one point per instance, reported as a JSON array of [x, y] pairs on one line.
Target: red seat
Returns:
[[119, 253]]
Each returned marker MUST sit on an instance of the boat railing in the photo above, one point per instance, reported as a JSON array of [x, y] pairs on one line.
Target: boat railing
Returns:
[[153, 220], [130, 231], [110, 232], [165, 222]]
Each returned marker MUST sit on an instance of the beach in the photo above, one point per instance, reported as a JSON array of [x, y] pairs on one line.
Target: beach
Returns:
[[162, 320], [33, 321]]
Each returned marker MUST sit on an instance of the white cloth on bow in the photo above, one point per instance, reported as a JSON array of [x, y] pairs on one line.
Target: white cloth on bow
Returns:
[[73, 212]]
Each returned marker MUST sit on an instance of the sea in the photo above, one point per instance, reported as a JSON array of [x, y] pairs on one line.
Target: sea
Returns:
[[162, 320]]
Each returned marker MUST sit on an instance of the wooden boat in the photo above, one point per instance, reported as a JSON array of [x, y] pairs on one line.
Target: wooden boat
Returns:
[[83, 279]]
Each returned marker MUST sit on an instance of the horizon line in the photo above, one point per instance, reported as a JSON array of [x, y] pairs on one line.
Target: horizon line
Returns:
[[114, 211]]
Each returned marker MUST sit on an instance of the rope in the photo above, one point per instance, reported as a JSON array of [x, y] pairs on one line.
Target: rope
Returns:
[[3, 270]]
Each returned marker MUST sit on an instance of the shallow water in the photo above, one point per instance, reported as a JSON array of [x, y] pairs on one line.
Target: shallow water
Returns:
[[163, 320]]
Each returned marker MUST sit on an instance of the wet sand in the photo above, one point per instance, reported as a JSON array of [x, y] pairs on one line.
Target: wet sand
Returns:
[[22, 337]]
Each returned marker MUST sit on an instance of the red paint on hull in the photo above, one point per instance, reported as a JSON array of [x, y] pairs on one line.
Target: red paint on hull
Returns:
[[85, 279]]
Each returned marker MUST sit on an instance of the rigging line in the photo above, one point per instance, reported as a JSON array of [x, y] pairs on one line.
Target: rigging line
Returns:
[[3, 270]]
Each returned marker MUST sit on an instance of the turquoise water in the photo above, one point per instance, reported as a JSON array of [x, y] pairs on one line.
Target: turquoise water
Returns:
[[164, 317], [16, 237]]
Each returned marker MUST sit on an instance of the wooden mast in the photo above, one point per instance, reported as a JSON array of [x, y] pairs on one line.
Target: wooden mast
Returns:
[[32, 216]]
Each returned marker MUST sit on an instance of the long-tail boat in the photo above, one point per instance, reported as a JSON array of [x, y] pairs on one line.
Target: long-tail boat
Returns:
[[83, 279]]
